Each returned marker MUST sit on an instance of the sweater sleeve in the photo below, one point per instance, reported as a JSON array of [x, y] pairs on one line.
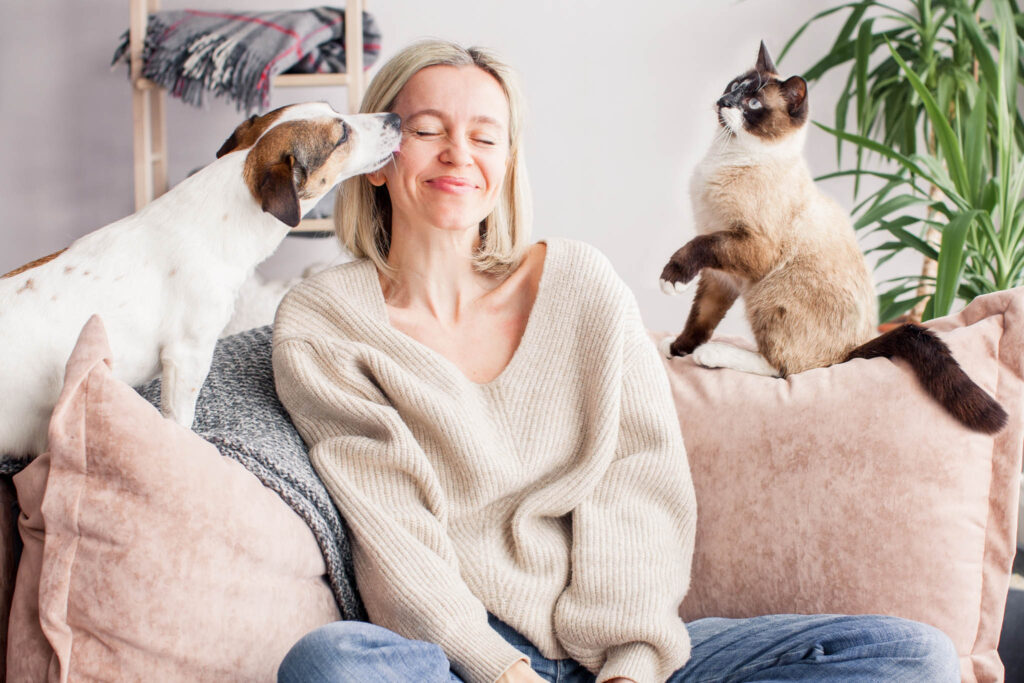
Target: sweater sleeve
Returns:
[[633, 536], [390, 496]]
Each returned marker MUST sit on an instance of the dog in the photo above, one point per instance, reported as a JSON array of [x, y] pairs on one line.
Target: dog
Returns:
[[165, 279]]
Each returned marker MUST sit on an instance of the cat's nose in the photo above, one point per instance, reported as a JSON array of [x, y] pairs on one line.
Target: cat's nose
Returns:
[[722, 101]]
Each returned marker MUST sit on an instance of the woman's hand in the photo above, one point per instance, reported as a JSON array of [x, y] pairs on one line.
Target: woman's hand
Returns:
[[520, 672]]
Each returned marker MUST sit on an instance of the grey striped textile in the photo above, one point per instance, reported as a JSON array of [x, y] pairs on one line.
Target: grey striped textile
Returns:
[[239, 413], [236, 54]]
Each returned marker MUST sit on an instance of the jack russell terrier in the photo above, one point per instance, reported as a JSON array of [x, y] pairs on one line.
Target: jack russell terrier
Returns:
[[164, 280]]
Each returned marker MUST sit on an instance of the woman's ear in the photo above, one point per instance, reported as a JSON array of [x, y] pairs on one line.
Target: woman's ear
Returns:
[[376, 178]]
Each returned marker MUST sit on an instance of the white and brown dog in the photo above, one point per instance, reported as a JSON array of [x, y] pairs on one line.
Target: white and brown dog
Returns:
[[164, 280]]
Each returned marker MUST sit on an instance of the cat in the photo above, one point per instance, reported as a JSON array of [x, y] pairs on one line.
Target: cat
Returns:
[[768, 235]]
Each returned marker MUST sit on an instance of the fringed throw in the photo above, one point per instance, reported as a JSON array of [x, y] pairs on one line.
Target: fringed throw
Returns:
[[237, 54]]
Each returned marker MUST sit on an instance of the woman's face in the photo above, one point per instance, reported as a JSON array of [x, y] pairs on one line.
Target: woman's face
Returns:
[[451, 165]]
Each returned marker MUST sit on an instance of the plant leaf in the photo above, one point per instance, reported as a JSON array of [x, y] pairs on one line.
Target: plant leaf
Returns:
[[951, 264], [948, 143]]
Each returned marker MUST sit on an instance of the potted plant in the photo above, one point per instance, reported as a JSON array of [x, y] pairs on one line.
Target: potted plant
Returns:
[[932, 89]]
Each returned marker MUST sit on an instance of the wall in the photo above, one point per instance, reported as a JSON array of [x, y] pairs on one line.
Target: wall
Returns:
[[620, 111]]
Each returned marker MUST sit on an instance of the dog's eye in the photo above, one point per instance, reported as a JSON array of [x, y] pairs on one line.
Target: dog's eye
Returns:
[[344, 136], [753, 104]]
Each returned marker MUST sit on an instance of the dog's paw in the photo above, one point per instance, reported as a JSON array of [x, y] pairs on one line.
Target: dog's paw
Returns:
[[674, 288], [665, 347]]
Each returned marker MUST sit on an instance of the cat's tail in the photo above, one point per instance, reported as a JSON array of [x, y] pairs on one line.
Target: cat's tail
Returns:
[[939, 374]]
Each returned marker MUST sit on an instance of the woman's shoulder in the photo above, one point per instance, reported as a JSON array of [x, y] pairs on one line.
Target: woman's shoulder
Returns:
[[582, 266], [334, 299]]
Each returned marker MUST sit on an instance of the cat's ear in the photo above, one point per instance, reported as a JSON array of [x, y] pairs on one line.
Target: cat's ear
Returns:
[[794, 90], [764, 61]]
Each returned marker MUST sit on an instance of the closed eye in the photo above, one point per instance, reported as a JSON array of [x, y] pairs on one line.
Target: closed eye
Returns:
[[344, 135]]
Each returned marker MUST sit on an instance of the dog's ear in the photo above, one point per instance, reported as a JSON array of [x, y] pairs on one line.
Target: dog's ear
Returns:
[[237, 135], [764, 61], [278, 195]]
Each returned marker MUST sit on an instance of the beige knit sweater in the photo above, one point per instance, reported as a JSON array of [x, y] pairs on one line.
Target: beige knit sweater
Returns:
[[556, 496]]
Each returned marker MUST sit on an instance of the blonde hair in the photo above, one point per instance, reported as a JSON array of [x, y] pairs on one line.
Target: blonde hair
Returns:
[[362, 212]]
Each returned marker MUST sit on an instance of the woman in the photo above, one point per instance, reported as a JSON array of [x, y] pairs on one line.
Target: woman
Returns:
[[496, 427]]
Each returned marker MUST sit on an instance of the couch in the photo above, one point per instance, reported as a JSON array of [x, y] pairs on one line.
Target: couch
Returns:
[[154, 552]]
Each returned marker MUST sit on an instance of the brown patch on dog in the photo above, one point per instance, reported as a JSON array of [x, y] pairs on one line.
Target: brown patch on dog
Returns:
[[68, 270], [249, 131], [29, 284], [174, 271], [34, 264], [292, 157]]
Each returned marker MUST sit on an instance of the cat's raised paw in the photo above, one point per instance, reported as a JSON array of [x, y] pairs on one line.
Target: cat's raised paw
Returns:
[[675, 288]]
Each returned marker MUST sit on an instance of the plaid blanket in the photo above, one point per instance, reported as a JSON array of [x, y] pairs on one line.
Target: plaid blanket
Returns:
[[236, 54]]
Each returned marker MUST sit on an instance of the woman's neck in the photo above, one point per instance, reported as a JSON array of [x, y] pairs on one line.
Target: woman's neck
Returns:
[[435, 273]]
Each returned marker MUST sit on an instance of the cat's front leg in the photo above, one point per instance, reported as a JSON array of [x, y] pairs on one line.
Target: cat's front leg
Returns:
[[716, 293], [687, 262]]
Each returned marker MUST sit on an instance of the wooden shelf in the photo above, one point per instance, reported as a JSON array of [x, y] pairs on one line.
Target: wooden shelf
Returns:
[[309, 80], [314, 225]]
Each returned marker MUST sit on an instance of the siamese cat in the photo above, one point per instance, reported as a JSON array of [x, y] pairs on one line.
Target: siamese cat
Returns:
[[766, 233]]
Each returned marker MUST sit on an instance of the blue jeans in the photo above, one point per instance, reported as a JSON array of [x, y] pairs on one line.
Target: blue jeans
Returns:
[[771, 648]]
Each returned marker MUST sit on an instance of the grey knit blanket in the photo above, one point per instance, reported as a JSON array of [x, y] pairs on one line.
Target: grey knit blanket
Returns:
[[238, 412], [237, 54]]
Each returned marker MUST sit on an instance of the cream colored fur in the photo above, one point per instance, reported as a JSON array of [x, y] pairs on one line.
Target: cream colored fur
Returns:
[[814, 270]]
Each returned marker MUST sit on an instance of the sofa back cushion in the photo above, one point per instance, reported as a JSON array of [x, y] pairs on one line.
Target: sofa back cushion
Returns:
[[849, 490]]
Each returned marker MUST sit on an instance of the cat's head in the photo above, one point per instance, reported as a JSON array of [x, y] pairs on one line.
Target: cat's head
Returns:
[[762, 105]]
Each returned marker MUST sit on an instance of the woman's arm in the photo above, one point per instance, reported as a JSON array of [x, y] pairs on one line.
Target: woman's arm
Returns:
[[389, 495], [633, 536]]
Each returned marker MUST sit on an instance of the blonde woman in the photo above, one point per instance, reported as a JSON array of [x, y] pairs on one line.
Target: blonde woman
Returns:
[[497, 430]]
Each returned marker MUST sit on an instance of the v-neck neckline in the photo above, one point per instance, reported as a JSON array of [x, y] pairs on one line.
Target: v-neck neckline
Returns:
[[523, 348]]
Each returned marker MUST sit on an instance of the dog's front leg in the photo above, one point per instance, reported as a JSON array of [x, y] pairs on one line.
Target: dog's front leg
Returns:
[[183, 371]]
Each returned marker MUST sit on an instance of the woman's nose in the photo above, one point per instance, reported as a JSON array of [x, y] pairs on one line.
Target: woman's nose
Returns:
[[455, 152]]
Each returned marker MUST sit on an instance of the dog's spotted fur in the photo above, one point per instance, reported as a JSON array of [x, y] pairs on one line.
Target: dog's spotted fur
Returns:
[[164, 280]]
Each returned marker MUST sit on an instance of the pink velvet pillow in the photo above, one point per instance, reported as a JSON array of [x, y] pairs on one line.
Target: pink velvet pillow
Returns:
[[148, 555], [848, 490]]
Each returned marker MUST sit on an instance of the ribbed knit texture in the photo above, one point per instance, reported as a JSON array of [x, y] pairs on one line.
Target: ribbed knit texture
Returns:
[[557, 496]]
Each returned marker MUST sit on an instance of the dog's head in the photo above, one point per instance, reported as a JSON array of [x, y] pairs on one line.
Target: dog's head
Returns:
[[299, 152]]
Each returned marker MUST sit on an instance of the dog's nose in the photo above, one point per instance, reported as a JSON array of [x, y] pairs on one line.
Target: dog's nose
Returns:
[[393, 121]]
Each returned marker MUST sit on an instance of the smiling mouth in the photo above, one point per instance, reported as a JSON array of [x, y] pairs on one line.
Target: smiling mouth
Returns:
[[452, 184]]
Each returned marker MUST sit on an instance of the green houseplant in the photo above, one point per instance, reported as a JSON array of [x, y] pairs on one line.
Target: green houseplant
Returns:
[[932, 89]]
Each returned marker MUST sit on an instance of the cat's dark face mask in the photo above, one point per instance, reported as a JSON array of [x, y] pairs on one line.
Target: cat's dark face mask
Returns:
[[762, 98]]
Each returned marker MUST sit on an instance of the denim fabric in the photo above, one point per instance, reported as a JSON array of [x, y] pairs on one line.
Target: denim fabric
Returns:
[[770, 648]]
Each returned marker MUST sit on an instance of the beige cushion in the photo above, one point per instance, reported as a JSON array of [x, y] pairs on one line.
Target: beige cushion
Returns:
[[848, 490], [148, 555]]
